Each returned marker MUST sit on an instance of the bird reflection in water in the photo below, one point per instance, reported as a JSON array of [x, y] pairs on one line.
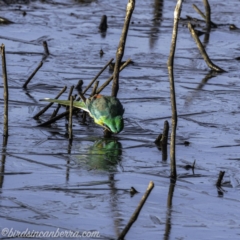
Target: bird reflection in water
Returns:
[[105, 154]]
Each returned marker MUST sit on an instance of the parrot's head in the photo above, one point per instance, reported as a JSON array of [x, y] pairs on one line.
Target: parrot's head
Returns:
[[115, 125]]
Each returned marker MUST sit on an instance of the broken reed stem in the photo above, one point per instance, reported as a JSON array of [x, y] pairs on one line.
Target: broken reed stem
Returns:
[[111, 78], [220, 178], [164, 140], [208, 15], [79, 89], [69, 95], [5, 94], [202, 50], [50, 104], [91, 83], [137, 211], [70, 119], [121, 46], [55, 111], [32, 75], [45, 46], [170, 64], [70, 92]]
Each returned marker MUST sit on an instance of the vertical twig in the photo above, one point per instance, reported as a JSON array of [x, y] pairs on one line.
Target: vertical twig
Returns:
[[220, 178], [177, 13], [208, 15], [121, 46], [70, 119], [69, 95], [5, 85], [94, 88], [79, 89], [103, 24], [137, 211], [32, 75]]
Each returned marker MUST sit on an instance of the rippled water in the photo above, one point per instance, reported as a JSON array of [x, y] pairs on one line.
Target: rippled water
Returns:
[[45, 185]]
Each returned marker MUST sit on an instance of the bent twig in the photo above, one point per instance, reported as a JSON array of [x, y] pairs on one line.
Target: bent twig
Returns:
[[202, 51]]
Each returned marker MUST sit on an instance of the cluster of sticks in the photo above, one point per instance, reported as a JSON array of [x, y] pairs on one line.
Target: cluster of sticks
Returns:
[[161, 141]]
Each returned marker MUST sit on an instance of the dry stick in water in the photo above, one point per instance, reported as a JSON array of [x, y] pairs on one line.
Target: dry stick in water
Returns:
[[69, 95], [5, 85], [111, 78], [79, 89], [199, 11], [94, 88], [170, 63], [203, 15], [70, 119], [52, 120], [59, 105], [208, 14], [202, 50], [220, 178], [121, 46], [91, 83], [32, 75], [164, 140], [50, 104], [45, 46], [137, 211], [55, 111]]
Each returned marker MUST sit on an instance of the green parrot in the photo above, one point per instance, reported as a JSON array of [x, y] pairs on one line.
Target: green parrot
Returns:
[[106, 111]]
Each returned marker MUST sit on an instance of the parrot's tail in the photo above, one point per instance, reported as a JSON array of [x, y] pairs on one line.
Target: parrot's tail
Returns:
[[76, 104]]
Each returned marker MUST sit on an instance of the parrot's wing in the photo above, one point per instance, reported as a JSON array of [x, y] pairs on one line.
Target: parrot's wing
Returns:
[[76, 104]]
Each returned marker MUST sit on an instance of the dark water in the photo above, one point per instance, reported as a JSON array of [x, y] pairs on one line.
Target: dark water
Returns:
[[45, 186]]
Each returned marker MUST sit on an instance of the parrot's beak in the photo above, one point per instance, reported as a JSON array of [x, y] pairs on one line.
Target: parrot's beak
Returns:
[[106, 127]]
